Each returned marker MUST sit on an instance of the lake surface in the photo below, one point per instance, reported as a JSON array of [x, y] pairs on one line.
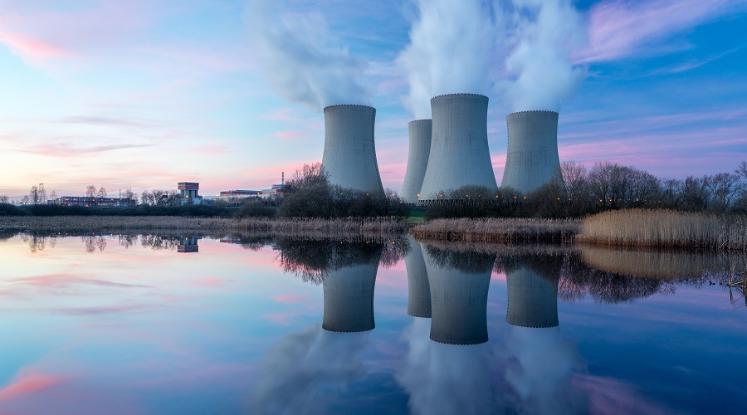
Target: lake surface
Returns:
[[179, 324]]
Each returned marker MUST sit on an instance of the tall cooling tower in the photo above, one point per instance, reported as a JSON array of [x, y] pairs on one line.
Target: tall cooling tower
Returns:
[[418, 290], [459, 153], [459, 297], [532, 158], [417, 158], [348, 298], [349, 151], [532, 298]]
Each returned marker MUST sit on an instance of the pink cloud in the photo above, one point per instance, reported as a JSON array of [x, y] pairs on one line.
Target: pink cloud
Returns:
[[610, 396], [213, 282], [66, 150], [288, 298], [31, 48], [618, 28], [289, 134], [29, 382]]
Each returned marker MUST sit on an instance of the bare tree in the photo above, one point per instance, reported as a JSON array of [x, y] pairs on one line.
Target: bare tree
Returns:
[[42, 194], [4, 199], [102, 192], [724, 189], [91, 191]]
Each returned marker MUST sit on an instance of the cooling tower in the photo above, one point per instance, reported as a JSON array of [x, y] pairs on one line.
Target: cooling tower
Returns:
[[459, 296], [349, 152], [532, 298], [459, 153], [532, 157], [418, 290], [348, 298], [417, 158]]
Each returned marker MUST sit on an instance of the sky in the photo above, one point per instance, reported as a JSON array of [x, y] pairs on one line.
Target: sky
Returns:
[[143, 94]]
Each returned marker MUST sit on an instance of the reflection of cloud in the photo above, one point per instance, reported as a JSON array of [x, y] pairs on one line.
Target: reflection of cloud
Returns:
[[448, 379], [66, 279], [307, 371], [29, 382], [539, 371], [609, 396]]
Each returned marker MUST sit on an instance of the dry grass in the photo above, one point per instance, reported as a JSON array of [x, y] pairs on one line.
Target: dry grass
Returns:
[[377, 228], [498, 230], [665, 229]]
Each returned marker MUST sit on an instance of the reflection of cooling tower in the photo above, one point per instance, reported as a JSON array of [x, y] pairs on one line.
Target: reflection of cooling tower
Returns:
[[459, 153], [417, 159], [349, 152], [459, 298], [418, 290], [532, 157], [532, 299], [348, 298]]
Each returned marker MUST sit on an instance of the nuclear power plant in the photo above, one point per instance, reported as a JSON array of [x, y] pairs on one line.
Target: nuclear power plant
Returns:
[[532, 158], [349, 151], [349, 295], [459, 285], [417, 158], [459, 155]]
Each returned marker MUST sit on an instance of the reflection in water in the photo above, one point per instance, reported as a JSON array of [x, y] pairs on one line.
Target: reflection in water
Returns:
[[540, 361], [459, 283], [349, 296], [188, 244], [418, 290]]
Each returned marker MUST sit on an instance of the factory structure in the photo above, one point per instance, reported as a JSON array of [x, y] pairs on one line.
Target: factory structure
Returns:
[[446, 153]]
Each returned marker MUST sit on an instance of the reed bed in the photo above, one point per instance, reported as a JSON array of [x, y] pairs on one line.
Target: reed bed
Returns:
[[665, 229], [498, 230], [374, 228]]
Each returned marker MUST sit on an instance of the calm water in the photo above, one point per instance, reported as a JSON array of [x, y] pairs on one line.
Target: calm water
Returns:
[[165, 325]]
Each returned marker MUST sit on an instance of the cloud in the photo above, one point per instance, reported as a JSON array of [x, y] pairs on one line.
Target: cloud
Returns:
[[298, 54], [540, 64], [66, 279], [452, 45], [68, 150], [29, 382], [619, 29]]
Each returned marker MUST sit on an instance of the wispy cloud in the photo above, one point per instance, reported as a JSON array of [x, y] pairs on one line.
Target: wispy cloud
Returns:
[[29, 382], [619, 28], [68, 150]]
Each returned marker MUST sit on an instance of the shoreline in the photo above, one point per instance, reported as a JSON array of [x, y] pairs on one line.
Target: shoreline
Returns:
[[614, 229]]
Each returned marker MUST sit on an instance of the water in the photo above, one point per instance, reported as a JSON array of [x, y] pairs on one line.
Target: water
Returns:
[[174, 325]]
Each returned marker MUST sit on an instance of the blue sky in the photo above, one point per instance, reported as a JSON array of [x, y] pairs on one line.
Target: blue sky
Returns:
[[144, 93]]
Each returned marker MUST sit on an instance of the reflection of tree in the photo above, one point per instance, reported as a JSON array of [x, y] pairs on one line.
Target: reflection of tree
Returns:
[[314, 260], [94, 242], [36, 243], [462, 260]]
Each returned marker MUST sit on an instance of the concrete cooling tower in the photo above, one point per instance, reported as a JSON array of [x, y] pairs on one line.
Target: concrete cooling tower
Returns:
[[417, 158], [349, 152], [459, 298], [532, 157], [348, 298], [532, 298], [418, 290], [459, 153]]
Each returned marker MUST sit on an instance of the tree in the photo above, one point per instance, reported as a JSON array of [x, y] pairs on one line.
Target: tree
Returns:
[[101, 193], [723, 189], [4, 199], [91, 191], [33, 195]]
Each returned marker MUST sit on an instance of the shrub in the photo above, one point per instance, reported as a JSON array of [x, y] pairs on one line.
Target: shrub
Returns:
[[256, 208]]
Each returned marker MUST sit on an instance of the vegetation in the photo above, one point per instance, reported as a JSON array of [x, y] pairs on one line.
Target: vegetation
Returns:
[[665, 229], [498, 230]]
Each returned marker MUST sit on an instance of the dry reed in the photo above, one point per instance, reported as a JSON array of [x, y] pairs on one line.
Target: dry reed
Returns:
[[665, 229], [498, 230], [376, 228]]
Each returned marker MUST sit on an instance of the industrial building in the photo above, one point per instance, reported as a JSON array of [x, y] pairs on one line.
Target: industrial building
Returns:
[[532, 157], [349, 151], [418, 289], [419, 132], [232, 196], [459, 296], [532, 296], [459, 153], [189, 193], [94, 202]]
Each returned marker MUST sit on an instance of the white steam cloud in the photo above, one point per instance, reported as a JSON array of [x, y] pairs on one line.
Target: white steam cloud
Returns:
[[301, 58], [452, 47], [548, 31]]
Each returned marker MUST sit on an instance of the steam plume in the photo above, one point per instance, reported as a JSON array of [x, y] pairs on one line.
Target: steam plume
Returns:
[[300, 57], [547, 31], [451, 49]]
